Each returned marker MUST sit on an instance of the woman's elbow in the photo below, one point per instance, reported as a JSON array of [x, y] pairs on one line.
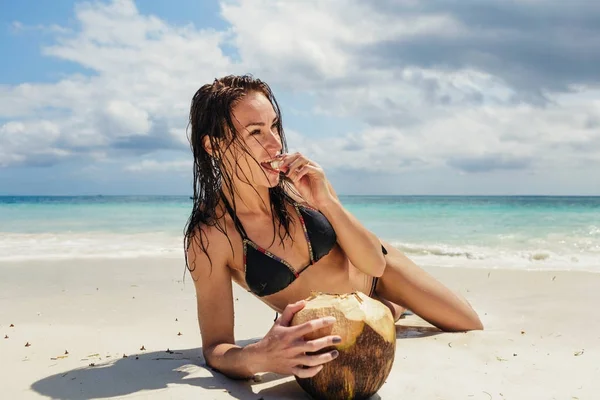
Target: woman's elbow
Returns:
[[478, 325], [472, 324], [379, 266]]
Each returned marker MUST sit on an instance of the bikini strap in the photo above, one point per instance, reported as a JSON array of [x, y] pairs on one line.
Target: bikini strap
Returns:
[[236, 221]]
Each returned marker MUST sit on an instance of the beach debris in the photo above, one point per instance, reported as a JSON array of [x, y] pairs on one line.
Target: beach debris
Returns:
[[94, 355], [27, 344], [500, 358], [66, 352], [5, 336], [137, 358], [176, 320], [450, 344], [169, 351], [58, 357], [92, 365], [142, 348], [124, 355], [11, 326], [487, 394], [489, 274], [514, 354], [554, 277], [578, 353], [179, 334], [522, 332]]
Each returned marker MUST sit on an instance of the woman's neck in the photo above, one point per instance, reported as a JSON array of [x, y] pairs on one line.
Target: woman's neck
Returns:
[[249, 201]]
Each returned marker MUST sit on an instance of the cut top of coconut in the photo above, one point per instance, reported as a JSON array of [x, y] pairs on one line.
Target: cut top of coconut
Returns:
[[357, 306]]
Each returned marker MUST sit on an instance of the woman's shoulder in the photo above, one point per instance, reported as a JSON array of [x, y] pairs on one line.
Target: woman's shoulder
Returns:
[[210, 240]]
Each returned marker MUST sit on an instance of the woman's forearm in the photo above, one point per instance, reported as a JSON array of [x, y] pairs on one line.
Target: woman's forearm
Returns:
[[234, 361], [362, 247]]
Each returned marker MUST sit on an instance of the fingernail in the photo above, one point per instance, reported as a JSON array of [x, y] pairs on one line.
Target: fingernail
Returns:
[[337, 340], [335, 353]]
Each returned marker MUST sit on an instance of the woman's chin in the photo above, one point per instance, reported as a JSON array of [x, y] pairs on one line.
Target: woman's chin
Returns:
[[272, 178], [274, 182]]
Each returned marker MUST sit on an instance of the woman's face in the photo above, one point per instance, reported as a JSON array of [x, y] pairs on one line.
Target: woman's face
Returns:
[[255, 121]]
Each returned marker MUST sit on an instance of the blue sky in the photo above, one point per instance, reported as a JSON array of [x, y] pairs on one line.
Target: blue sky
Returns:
[[441, 97]]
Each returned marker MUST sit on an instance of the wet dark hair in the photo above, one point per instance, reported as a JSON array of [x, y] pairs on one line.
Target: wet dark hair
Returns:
[[210, 117]]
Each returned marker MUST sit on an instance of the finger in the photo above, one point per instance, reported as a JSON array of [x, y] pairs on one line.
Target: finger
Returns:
[[295, 164], [299, 173], [318, 359], [309, 372], [315, 345], [312, 325], [288, 159], [289, 311]]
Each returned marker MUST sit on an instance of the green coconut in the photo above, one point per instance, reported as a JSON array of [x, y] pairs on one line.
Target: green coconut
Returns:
[[366, 352]]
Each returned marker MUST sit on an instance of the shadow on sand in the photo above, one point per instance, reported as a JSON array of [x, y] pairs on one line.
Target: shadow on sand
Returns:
[[415, 332], [158, 371], [161, 369]]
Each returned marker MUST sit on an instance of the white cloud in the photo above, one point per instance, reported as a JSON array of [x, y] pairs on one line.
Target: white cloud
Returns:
[[160, 166], [21, 140], [144, 73]]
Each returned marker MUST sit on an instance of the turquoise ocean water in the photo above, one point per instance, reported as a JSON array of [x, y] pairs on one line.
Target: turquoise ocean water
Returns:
[[526, 232]]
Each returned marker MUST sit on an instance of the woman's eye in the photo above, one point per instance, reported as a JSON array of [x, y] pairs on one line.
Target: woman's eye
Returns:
[[255, 132]]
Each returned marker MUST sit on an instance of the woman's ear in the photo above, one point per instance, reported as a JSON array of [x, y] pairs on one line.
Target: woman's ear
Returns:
[[209, 147]]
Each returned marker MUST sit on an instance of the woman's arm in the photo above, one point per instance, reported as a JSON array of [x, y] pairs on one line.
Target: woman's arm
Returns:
[[361, 246], [214, 299]]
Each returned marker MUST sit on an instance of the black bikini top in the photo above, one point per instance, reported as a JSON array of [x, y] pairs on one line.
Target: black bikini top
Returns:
[[268, 274]]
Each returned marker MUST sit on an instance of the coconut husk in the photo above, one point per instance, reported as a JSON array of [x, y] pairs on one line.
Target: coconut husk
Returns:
[[367, 349]]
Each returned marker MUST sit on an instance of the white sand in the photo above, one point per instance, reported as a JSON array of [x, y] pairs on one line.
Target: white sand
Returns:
[[542, 337]]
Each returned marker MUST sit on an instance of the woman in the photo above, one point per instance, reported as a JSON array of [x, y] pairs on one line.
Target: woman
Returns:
[[272, 223]]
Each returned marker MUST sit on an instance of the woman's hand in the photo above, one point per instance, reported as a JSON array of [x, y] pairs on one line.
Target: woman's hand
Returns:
[[308, 178], [283, 349]]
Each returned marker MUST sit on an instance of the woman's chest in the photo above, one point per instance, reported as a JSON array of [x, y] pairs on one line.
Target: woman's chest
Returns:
[[333, 273]]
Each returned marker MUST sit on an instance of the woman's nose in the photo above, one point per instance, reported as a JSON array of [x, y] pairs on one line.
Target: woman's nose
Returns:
[[273, 137]]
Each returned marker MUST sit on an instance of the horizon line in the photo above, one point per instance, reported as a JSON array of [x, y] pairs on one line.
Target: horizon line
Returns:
[[345, 195]]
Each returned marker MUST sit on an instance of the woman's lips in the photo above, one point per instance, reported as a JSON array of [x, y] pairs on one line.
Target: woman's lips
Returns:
[[274, 164]]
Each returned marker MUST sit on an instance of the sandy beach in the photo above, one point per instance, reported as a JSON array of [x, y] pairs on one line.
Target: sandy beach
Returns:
[[126, 328]]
